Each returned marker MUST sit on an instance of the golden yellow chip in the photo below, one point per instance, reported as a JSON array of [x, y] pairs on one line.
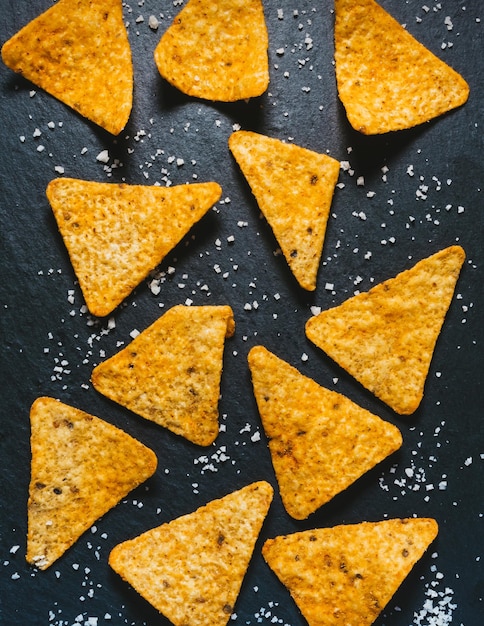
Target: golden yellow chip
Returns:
[[170, 373], [191, 569], [348, 574], [216, 50], [81, 468], [294, 188], [386, 79], [116, 234], [320, 441], [386, 337], [78, 51]]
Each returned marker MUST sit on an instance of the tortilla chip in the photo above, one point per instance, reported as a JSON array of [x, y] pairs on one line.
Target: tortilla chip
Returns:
[[216, 50], [348, 574], [170, 373], [78, 51], [386, 79], [320, 441], [386, 337], [191, 569], [81, 468], [294, 189], [116, 234]]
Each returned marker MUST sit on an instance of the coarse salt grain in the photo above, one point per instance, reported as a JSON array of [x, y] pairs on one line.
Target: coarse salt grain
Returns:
[[103, 157]]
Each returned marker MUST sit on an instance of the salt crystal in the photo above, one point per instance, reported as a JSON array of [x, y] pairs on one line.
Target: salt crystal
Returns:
[[103, 156]]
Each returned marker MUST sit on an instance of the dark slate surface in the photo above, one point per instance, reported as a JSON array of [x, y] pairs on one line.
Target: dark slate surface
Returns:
[[428, 198]]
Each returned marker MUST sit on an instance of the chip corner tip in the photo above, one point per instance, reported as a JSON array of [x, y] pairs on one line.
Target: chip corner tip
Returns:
[[395, 436], [407, 406], [4, 53], [152, 461], [363, 129], [434, 525], [230, 322], [431, 522], [113, 558], [39, 401], [307, 285], [308, 326], [295, 513], [99, 310], [217, 190], [266, 548], [206, 442], [203, 439], [117, 128], [96, 376], [269, 488], [465, 90], [40, 563], [459, 252], [255, 352], [242, 137], [398, 437], [234, 138], [429, 527], [51, 186], [266, 487]]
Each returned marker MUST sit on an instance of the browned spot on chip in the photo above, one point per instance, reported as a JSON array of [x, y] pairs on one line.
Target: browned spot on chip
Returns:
[[294, 188], [386, 337], [348, 574], [170, 374], [78, 51], [386, 79], [184, 570], [216, 50], [320, 441], [81, 467], [116, 234]]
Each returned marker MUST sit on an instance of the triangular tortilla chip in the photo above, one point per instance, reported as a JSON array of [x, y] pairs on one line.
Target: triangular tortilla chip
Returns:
[[294, 188], [348, 574], [216, 50], [191, 569], [81, 468], [116, 234], [386, 79], [170, 373], [320, 441], [386, 337], [78, 51]]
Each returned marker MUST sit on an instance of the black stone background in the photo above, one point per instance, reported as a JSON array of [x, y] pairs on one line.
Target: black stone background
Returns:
[[43, 326]]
